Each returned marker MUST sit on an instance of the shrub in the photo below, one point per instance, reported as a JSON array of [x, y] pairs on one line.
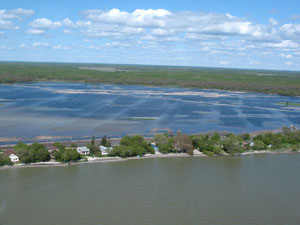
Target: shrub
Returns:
[[208, 153]]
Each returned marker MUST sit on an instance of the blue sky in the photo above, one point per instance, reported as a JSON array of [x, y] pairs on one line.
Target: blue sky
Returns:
[[241, 34]]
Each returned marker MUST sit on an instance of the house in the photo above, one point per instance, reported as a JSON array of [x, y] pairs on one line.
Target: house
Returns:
[[105, 150], [83, 150], [154, 146], [12, 155]]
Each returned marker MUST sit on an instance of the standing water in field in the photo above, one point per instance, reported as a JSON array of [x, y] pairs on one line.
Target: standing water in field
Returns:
[[57, 110]]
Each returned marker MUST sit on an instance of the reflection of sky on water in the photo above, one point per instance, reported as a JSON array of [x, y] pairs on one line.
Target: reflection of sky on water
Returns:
[[62, 109]]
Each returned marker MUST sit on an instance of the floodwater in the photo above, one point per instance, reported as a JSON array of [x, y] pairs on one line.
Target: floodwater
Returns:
[[253, 189], [80, 110]]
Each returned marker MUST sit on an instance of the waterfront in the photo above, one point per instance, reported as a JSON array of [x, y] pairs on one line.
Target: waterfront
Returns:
[[53, 111], [254, 189]]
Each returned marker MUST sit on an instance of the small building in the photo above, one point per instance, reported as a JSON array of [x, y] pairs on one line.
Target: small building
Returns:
[[105, 150], [154, 146], [12, 155], [14, 158], [83, 150]]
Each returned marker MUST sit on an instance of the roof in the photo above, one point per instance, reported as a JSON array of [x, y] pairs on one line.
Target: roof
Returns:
[[82, 149], [9, 152]]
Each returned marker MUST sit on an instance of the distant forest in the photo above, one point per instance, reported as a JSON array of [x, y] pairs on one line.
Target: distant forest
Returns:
[[263, 81]]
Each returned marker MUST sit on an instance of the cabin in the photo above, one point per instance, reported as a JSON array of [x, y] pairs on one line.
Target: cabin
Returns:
[[12, 155], [83, 150], [105, 150]]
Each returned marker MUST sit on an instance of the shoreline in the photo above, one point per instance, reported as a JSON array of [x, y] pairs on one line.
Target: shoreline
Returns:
[[147, 156]]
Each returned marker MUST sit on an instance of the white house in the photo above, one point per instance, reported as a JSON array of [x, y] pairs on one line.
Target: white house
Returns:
[[12, 155], [83, 150], [13, 158], [105, 150]]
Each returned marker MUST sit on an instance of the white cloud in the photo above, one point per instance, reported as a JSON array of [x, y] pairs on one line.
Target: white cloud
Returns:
[[35, 31], [7, 24], [68, 23], [40, 44], [154, 24], [7, 17], [139, 18], [273, 22], [286, 56], [5, 47], [61, 47], [289, 63], [44, 24], [15, 14], [291, 30], [223, 62], [67, 31], [286, 44], [117, 44], [23, 46]]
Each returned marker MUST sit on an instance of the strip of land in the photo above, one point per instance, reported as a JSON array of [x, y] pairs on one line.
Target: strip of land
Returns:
[[285, 140], [273, 82]]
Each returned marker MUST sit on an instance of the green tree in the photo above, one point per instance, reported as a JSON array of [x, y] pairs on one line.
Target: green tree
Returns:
[[5, 160], [24, 153], [94, 149], [40, 153], [246, 137], [233, 144], [59, 146], [32, 153], [259, 145], [215, 137], [132, 146], [105, 142], [73, 146], [164, 143], [67, 155]]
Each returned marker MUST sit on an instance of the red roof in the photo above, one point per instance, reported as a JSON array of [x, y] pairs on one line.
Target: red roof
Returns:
[[9, 152]]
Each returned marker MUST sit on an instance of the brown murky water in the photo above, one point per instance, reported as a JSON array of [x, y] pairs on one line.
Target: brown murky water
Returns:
[[261, 189]]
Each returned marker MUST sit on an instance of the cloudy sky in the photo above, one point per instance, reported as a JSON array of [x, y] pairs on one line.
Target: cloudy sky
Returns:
[[241, 34]]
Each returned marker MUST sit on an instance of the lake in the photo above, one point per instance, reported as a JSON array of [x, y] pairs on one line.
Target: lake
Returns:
[[253, 189], [37, 111]]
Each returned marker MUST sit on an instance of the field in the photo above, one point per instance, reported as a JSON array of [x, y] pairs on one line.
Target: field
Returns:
[[264, 81]]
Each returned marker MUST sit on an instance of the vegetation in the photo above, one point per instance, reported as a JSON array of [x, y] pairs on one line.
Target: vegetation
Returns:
[[288, 103], [32, 153], [209, 144], [285, 140], [276, 82], [214, 144], [131, 147], [183, 143], [164, 143], [94, 149], [65, 154], [105, 142], [5, 160]]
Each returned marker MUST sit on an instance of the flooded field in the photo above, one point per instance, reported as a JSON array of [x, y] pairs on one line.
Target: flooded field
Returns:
[[68, 110]]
